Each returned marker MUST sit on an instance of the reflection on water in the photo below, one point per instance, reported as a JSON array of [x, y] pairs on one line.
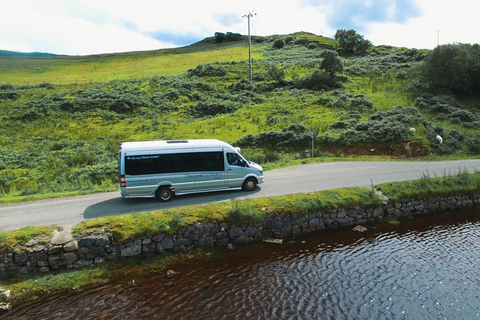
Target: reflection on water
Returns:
[[424, 268]]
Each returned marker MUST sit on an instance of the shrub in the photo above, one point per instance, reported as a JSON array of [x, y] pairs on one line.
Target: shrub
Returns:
[[214, 107], [360, 103], [318, 81], [473, 145], [389, 126], [242, 85], [9, 95], [279, 44], [292, 137], [207, 70], [230, 36], [446, 108], [219, 37]]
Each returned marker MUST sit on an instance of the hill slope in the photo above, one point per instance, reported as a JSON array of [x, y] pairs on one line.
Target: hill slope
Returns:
[[63, 117]]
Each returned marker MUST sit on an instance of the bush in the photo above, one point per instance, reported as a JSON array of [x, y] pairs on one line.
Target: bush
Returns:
[[319, 81], [278, 44], [230, 36], [360, 103], [242, 85], [9, 95], [293, 137], [473, 145], [207, 70], [392, 125], [213, 108]]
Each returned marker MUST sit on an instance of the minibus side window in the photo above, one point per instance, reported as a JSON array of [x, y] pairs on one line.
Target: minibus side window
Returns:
[[209, 161], [177, 162], [234, 159], [142, 164]]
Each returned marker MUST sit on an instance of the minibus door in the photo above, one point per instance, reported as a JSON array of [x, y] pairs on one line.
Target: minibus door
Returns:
[[209, 174], [236, 170]]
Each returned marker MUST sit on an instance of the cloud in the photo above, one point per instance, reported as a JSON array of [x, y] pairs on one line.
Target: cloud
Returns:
[[359, 15], [78, 27]]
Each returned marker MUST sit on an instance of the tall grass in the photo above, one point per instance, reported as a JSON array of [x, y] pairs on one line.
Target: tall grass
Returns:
[[427, 186]]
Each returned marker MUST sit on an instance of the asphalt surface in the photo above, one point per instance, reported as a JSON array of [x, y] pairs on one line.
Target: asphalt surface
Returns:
[[312, 177]]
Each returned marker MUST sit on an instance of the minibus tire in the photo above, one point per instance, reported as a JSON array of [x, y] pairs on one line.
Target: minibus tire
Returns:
[[249, 184], [164, 194]]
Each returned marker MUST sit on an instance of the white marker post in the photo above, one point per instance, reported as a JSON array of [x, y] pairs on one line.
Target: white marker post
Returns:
[[313, 141]]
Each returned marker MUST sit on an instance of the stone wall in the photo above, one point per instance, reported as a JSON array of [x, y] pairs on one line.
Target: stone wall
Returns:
[[73, 254]]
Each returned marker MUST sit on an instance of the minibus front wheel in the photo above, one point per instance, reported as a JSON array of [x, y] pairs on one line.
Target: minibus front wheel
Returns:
[[249, 184], [164, 194]]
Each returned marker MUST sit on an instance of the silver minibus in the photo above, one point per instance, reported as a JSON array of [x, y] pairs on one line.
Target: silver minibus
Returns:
[[163, 169]]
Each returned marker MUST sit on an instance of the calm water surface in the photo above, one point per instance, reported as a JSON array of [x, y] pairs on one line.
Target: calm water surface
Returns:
[[422, 268]]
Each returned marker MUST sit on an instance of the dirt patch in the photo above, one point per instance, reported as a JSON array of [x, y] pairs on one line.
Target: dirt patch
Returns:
[[410, 149]]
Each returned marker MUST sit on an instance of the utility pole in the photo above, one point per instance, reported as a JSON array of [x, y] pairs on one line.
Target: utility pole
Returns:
[[438, 37], [249, 15]]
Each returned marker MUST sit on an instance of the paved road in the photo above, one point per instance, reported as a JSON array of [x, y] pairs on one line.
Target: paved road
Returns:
[[312, 177]]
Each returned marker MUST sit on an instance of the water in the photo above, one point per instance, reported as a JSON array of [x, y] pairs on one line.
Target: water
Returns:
[[423, 268]]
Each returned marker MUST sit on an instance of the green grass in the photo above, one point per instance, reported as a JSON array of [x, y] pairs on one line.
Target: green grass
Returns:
[[429, 187], [242, 212], [106, 67], [63, 139], [17, 239]]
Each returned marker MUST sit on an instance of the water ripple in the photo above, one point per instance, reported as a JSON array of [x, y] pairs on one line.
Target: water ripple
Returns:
[[413, 273]]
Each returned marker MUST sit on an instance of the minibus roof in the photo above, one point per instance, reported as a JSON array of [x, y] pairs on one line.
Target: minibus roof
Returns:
[[173, 144]]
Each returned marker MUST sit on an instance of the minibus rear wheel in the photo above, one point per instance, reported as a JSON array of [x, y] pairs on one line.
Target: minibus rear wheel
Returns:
[[164, 194], [249, 184]]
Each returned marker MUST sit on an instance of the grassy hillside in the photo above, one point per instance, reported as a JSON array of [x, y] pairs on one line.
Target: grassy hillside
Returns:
[[63, 117]]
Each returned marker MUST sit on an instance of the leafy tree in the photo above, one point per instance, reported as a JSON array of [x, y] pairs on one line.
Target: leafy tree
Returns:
[[331, 63], [352, 42], [230, 36], [454, 67], [219, 37]]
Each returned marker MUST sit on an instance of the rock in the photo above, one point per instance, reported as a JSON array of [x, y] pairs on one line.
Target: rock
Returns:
[[32, 243], [167, 243], [4, 307], [56, 262], [44, 269], [87, 242], [62, 235], [54, 250], [5, 295], [132, 251], [270, 240], [70, 257], [20, 258], [180, 250], [230, 246], [359, 229], [70, 246], [102, 242]]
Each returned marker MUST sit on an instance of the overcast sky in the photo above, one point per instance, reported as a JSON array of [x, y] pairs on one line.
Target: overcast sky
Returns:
[[82, 27]]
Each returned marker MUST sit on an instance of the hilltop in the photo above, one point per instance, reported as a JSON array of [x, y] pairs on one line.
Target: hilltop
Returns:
[[18, 68], [63, 116]]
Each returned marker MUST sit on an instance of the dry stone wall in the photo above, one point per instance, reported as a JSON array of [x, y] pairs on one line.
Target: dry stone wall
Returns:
[[87, 251]]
